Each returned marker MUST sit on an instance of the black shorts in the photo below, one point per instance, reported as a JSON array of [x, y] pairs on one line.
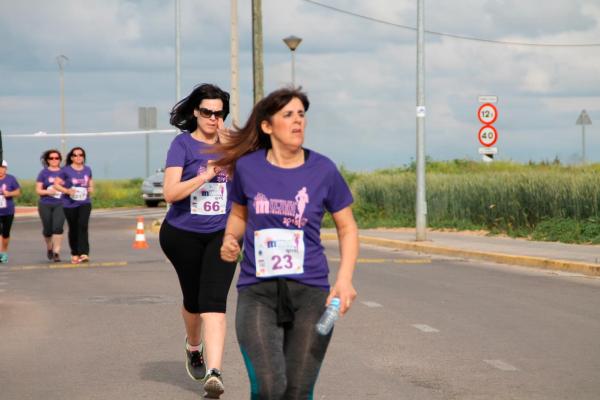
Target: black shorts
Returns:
[[203, 276], [6, 223]]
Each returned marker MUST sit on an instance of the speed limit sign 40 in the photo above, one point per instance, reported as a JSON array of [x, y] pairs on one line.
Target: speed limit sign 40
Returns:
[[487, 135], [487, 113]]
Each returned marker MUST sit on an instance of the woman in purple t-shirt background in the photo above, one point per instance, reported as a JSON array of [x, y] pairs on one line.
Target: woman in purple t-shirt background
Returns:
[[9, 189], [192, 232], [77, 184], [50, 206], [280, 194]]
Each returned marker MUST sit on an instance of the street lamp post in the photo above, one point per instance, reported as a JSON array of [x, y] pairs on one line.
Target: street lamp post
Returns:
[[62, 61], [583, 120], [292, 43]]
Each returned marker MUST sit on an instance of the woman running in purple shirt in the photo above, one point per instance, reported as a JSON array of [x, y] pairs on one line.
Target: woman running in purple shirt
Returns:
[[50, 206], [280, 193], [192, 232], [9, 189], [77, 184]]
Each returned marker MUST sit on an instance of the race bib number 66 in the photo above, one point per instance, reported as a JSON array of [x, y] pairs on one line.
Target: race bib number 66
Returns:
[[209, 199]]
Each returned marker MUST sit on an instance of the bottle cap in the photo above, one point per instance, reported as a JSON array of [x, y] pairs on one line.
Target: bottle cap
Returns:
[[335, 302]]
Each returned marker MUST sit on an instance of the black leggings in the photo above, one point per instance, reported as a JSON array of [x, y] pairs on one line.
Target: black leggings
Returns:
[[6, 223], [203, 276], [53, 219], [78, 219], [283, 362]]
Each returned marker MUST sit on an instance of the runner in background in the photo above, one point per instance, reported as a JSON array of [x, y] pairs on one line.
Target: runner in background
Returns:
[[50, 206], [192, 231], [280, 194], [77, 184], [9, 189]]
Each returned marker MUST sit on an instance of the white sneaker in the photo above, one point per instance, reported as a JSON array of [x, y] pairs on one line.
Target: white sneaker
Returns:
[[213, 384]]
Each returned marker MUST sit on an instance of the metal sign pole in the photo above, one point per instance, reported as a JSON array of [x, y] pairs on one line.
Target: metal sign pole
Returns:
[[421, 202]]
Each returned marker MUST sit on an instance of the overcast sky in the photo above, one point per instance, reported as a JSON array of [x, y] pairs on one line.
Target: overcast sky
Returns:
[[360, 75]]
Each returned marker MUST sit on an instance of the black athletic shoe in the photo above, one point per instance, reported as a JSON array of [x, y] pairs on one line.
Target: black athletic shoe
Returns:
[[194, 363], [50, 255], [213, 384], [56, 257]]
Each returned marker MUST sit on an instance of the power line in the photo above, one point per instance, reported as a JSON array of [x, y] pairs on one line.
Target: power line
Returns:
[[452, 35], [89, 134]]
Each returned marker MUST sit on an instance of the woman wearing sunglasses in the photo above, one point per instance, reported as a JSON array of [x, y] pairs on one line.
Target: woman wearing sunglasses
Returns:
[[77, 185], [280, 193], [50, 206], [192, 231]]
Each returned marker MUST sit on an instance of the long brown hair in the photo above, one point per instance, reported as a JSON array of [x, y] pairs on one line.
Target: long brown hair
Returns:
[[251, 137]]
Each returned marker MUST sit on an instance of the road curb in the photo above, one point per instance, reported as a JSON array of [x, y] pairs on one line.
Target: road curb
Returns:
[[526, 261]]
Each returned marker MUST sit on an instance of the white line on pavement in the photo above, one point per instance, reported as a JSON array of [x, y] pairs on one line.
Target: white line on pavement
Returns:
[[371, 304], [501, 365], [425, 328]]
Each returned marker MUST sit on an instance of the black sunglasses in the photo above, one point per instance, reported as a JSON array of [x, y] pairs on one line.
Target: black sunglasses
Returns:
[[206, 113]]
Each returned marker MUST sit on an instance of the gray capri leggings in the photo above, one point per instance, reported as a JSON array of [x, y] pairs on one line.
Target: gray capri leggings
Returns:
[[53, 218], [282, 361]]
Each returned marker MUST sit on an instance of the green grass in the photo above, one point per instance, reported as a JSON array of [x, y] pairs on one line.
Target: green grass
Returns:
[[504, 197], [107, 193]]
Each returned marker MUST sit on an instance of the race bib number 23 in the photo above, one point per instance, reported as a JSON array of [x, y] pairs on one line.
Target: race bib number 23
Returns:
[[279, 252]]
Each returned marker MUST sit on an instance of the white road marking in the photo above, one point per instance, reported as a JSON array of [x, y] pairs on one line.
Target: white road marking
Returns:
[[568, 274], [71, 266], [371, 304], [425, 328], [501, 365]]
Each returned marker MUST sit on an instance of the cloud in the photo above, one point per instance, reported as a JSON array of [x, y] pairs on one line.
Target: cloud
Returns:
[[360, 75]]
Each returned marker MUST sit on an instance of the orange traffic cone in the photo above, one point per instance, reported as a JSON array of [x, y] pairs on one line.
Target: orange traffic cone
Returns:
[[140, 236]]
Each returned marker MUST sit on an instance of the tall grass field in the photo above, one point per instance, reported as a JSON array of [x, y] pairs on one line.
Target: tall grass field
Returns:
[[543, 201], [107, 193]]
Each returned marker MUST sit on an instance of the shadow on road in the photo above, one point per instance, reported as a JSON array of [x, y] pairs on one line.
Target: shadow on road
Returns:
[[170, 372]]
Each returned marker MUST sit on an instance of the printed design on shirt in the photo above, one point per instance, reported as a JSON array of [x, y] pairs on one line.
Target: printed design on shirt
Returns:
[[81, 181], [221, 176], [291, 210]]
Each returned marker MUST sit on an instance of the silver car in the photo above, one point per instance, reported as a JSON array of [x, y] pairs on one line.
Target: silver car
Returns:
[[152, 189]]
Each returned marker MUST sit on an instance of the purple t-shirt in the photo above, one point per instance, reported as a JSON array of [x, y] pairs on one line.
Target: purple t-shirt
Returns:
[[7, 204], [80, 180], [289, 199], [206, 209], [47, 177]]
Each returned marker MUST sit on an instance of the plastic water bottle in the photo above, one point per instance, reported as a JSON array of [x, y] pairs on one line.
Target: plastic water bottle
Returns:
[[331, 314]]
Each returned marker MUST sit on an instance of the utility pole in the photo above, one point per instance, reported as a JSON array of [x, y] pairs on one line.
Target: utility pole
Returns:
[[235, 94], [61, 61], [421, 200], [177, 51], [257, 50]]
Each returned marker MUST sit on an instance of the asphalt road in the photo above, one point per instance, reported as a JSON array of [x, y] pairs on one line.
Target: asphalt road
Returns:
[[421, 328]]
